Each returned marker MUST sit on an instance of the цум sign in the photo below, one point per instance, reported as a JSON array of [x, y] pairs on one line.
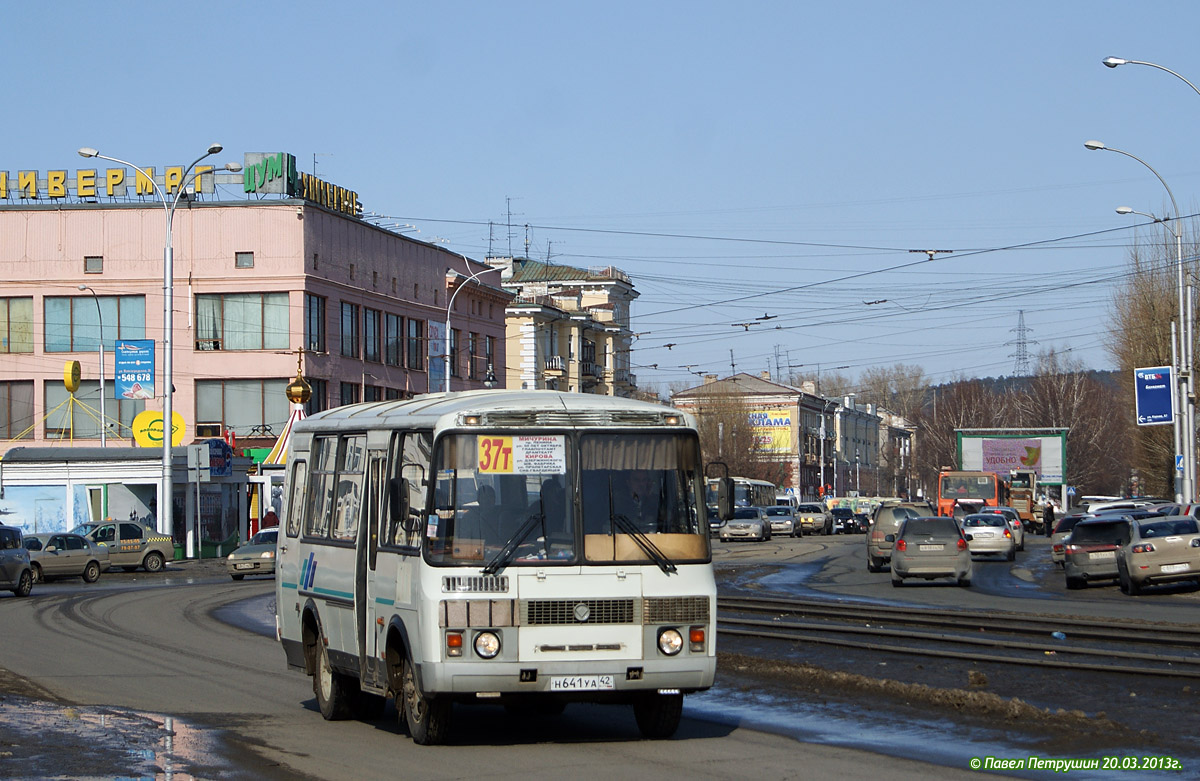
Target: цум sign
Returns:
[[1152, 390]]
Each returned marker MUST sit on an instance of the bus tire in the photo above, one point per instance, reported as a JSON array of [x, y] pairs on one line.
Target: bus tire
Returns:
[[334, 695], [428, 718], [658, 715]]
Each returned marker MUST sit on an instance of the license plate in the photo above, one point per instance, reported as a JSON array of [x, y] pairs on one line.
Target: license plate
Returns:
[[581, 683], [243, 566], [1102, 555], [933, 547], [1174, 568]]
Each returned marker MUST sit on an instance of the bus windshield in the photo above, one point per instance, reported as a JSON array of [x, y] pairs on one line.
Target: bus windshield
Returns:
[[509, 500], [968, 487]]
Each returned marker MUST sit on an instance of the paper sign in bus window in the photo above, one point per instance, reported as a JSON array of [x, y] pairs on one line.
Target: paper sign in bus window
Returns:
[[523, 455]]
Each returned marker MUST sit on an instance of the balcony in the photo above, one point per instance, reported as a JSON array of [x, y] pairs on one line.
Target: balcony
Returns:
[[554, 366], [590, 369]]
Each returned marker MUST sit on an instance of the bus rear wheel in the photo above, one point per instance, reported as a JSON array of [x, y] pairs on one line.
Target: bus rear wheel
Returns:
[[658, 715], [428, 718], [334, 695]]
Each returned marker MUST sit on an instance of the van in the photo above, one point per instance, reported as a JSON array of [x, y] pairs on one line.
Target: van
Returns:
[[885, 521]]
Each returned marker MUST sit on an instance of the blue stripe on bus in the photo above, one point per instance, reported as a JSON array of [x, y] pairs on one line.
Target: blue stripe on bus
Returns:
[[286, 584], [382, 601]]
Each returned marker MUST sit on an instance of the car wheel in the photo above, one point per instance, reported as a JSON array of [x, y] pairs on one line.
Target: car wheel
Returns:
[[428, 718], [37, 573], [1075, 583], [874, 564], [91, 573], [658, 715], [331, 687], [964, 582], [1135, 588], [1012, 554], [897, 581], [24, 584], [236, 576], [154, 561]]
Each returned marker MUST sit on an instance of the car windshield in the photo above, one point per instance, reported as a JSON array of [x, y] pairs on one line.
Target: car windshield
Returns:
[[746, 513], [268, 537], [1100, 534], [842, 512], [33, 544], [808, 508], [1169, 528], [990, 519], [779, 510], [932, 527], [85, 529]]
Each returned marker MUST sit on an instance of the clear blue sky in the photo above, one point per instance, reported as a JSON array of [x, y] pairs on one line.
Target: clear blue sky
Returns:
[[738, 160]]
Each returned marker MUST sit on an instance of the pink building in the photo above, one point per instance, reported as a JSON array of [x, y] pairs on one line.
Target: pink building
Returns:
[[260, 283]]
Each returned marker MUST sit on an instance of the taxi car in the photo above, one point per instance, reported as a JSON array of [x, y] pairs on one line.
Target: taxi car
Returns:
[[256, 557], [1159, 550], [63, 555], [130, 545], [15, 573]]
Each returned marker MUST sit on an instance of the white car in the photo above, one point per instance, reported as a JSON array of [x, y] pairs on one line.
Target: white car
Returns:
[[747, 523], [989, 533], [1014, 523]]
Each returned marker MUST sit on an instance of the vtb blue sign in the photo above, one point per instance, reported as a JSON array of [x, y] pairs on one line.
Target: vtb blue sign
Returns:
[[1153, 391]]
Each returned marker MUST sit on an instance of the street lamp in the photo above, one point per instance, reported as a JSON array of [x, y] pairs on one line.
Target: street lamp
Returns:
[[450, 307], [166, 502], [100, 320], [1185, 432]]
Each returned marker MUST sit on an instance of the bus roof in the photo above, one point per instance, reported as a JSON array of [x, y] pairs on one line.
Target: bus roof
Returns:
[[497, 408]]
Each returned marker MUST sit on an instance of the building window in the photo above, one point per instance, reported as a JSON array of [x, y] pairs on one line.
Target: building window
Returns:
[[455, 335], [416, 343], [257, 405], [241, 321], [393, 340], [473, 356], [93, 264], [314, 322], [372, 393], [350, 340], [371, 349], [319, 400], [393, 393], [80, 419], [489, 351], [16, 325], [16, 410], [243, 260], [349, 393], [72, 326]]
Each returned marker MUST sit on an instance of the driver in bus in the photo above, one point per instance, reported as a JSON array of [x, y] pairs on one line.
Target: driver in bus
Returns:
[[641, 500]]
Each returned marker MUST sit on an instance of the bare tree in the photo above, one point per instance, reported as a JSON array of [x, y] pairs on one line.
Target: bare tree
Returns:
[[900, 388], [723, 420]]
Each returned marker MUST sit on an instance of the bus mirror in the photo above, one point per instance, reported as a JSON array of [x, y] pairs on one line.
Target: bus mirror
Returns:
[[724, 498]]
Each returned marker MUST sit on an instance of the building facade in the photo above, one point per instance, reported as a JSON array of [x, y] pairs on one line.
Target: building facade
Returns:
[[262, 280], [567, 328]]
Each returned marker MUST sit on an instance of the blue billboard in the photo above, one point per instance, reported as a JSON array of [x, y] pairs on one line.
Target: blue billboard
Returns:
[[1153, 391], [134, 369]]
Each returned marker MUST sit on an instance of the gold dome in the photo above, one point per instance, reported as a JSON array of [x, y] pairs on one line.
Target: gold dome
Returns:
[[298, 390]]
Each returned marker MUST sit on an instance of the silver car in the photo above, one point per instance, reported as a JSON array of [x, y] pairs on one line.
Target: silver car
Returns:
[[747, 523], [783, 520], [15, 573], [1090, 553], [65, 555], [930, 547], [1014, 523], [257, 557], [990, 533], [1160, 550], [885, 524]]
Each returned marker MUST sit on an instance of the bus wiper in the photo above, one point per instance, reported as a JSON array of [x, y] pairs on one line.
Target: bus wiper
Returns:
[[505, 556], [648, 547]]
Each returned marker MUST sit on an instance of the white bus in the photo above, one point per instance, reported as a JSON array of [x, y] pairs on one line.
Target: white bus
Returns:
[[497, 546], [747, 492]]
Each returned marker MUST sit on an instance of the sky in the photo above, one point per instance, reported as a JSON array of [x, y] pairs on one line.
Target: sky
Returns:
[[769, 174]]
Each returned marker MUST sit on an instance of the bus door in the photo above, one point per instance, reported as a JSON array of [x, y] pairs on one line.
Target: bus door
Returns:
[[288, 555], [369, 630]]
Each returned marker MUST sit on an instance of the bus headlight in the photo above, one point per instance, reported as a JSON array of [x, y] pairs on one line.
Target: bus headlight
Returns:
[[670, 642], [487, 645]]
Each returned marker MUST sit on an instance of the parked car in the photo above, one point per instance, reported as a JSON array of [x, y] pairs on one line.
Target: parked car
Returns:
[[930, 547], [990, 534], [1014, 523], [840, 516], [814, 519], [747, 523], [1062, 530], [65, 555], [1159, 550], [783, 520], [256, 557], [886, 522], [130, 545], [1090, 552], [16, 574]]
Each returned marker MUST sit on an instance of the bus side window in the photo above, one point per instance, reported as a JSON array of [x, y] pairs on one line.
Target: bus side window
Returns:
[[296, 498], [416, 463]]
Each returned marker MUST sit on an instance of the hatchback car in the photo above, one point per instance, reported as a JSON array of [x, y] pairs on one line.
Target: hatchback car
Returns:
[[1014, 524], [990, 533], [814, 519], [783, 520], [840, 516], [888, 518], [1090, 552], [930, 547], [1161, 550], [747, 523], [64, 555], [1062, 530], [256, 557], [16, 574]]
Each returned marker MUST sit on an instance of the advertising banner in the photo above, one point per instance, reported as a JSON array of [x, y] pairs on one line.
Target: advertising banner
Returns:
[[772, 429], [1002, 453], [1153, 396], [437, 355], [134, 369]]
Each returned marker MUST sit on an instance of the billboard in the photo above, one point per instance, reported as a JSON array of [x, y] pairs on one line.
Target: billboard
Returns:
[[772, 428], [1155, 402], [1001, 453]]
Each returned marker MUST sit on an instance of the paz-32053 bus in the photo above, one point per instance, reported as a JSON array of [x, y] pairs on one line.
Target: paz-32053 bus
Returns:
[[496, 546]]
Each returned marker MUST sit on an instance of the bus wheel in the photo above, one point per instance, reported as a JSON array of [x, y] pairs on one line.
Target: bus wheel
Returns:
[[658, 714], [428, 718], [333, 694]]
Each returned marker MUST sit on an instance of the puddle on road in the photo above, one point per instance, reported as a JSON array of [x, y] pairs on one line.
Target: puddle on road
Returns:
[[45, 740]]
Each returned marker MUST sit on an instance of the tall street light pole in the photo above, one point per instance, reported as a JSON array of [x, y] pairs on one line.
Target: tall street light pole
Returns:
[[450, 307], [100, 321], [1186, 439], [166, 501]]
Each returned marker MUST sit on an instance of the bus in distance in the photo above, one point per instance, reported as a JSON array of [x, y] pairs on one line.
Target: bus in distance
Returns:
[[964, 492], [507, 547]]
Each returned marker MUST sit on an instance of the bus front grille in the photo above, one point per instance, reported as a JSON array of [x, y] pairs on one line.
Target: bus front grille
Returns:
[[549, 612], [475, 584], [672, 610]]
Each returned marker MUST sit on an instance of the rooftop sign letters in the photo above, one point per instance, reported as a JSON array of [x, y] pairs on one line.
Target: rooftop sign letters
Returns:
[[276, 173]]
